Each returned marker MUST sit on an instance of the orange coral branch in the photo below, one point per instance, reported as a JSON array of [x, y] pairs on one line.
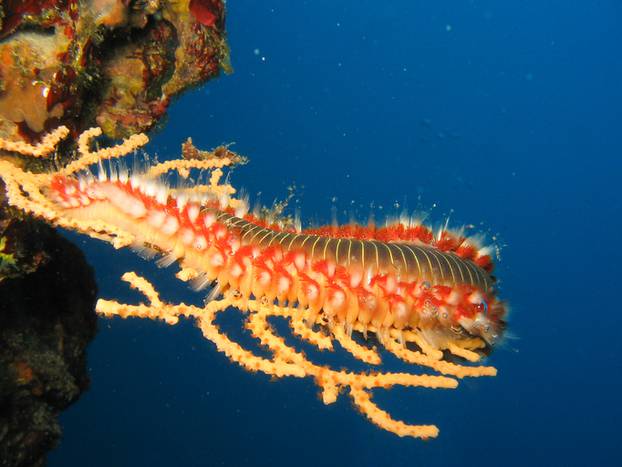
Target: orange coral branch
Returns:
[[411, 319], [286, 361]]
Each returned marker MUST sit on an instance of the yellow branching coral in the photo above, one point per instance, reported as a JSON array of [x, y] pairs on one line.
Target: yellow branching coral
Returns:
[[422, 298]]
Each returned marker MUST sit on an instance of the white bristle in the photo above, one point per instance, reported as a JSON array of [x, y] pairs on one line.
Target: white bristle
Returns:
[[193, 212], [161, 194], [143, 251], [476, 241], [135, 182], [182, 200], [166, 260], [114, 176], [123, 172], [297, 221], [404, 219], [213, 294], [150, 188], [485, 251], [242, 209], [209, 219], [101, 172], [417, 219], [88, 176], [200, 282]]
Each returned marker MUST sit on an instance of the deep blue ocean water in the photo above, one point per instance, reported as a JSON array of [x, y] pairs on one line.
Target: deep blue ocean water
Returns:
[[505, 115]]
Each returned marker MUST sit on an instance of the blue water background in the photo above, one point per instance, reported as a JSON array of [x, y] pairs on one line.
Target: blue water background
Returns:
[[504, 115]]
